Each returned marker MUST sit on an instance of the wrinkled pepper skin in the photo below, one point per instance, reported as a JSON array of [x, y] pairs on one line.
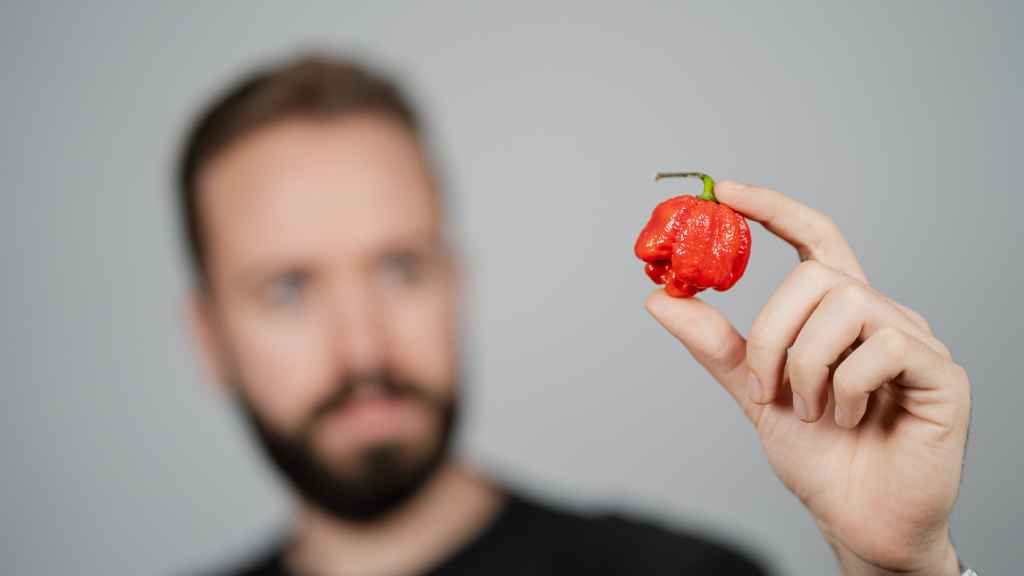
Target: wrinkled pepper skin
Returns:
[[691, 244]]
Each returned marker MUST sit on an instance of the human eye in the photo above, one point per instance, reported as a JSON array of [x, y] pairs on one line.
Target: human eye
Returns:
[[286, 289], [402, 268]]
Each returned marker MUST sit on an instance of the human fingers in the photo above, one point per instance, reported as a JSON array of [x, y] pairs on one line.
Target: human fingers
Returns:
[[814, 235], [848, 313], [710, 338], [779, 323], [934, 388]]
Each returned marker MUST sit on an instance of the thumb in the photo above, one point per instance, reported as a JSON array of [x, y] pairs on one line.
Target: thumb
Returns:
[[710, 338]]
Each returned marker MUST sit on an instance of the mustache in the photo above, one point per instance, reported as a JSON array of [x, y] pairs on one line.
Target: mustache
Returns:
[[383, 383]]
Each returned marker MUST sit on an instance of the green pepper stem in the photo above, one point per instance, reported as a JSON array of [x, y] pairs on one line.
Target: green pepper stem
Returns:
[[709, 184]]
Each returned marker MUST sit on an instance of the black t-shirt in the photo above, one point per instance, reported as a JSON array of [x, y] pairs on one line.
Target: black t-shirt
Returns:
[[528, 537]]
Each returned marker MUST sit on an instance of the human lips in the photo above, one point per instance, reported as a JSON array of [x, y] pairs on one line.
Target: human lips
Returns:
[[367, 416]]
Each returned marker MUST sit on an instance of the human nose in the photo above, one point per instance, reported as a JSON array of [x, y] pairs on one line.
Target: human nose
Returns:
[[359, 328]]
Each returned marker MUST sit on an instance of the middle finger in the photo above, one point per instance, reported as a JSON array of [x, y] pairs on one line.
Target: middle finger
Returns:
[[847, 314], [780, 321]]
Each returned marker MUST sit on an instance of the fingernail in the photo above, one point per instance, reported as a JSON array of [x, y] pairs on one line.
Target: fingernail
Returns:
[[799, 406], [839, 415], [755, 388]]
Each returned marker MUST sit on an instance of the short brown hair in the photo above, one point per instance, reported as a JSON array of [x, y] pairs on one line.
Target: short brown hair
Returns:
[[313, 86]]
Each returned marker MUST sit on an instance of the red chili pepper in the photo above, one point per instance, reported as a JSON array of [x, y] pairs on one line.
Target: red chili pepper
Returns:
[[692, 242]]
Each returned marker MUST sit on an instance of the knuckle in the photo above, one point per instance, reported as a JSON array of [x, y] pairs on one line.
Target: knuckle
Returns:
[[941, 348], [823, 227], [918, 318], [961, 390], [823, 237], [961, 377], [725, 356], [812, 270], [852, 295], [803, 369], [961, 374], [892, 342], [827, 225]]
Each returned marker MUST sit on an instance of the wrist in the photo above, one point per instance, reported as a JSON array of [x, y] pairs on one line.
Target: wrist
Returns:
[[939, 560]]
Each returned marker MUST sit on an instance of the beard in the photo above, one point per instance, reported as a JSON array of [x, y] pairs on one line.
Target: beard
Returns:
[[383, 475]]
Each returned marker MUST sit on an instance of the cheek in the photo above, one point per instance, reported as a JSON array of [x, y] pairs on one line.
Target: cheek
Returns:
[[422, 333], [283, 365]]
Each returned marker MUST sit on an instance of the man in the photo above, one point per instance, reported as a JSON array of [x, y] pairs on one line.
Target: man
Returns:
[[326, 300]]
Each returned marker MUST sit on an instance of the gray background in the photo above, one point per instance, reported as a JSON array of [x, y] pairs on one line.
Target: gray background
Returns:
[[900, 119]]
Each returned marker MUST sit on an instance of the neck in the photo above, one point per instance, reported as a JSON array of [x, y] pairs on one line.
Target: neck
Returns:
[[451, 508]]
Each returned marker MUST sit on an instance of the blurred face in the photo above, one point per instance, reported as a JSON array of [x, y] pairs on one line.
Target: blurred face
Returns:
[[331, 311]]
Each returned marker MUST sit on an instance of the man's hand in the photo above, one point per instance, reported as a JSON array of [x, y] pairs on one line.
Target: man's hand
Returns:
[[861, 410]]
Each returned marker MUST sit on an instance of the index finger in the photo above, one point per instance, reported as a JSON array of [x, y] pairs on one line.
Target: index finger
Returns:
[[814, 235]]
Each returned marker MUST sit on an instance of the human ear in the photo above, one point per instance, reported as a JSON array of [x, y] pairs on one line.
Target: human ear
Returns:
[[208, 336]]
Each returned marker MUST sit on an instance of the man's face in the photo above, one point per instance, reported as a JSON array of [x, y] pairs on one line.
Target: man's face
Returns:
[[331, 309]]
